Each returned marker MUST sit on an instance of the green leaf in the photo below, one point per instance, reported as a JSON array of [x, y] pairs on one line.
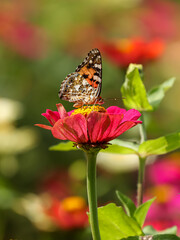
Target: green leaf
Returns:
[[63, 146], [141, 211], [156, 94], [160, 145], [134, 92], [132, 238], [156, 237], [122, 147], [149, 230], [115, 224], [165, 237], [127, 203]]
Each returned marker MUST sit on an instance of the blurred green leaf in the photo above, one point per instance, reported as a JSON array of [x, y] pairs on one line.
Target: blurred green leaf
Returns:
[[131, 145], [115, 224], [156, 237], [122, 147], [160, 145], [156, 94], [165, 237], [132, 238], [134, 92], [132, 66], [127, 203], [149, 230], [141, 211], [63, 146]]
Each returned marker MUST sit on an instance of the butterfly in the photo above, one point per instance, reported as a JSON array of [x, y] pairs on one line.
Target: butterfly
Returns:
[[83, 86]]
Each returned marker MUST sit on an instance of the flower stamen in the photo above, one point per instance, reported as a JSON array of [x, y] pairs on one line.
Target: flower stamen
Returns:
[[85, 110]]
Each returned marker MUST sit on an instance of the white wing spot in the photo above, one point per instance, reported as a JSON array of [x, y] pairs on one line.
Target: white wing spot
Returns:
[[77, 87]]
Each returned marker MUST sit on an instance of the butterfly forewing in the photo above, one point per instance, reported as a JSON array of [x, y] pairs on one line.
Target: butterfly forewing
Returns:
[[84, 85]]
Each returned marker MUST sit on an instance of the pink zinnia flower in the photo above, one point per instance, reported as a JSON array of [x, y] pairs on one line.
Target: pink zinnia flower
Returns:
[[169, 167], [167, 197], [93, 125]]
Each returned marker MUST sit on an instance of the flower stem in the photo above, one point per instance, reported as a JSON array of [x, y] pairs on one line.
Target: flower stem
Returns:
[[91, 190], [142, 164], [142, 129]]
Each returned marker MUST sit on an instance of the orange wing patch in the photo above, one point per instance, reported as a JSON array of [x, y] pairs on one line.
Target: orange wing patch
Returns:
[[88, 74]]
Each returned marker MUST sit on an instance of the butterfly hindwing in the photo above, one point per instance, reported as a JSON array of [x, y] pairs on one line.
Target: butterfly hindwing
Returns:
[[84, 85]]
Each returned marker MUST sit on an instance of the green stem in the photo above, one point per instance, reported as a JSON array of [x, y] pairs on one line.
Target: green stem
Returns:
[[142, 164], [142, 129], [92, 195]]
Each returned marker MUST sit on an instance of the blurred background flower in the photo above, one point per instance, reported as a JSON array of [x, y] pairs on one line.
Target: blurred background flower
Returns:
[[55, 206], [42, 42], [163, 182], [122, 52]]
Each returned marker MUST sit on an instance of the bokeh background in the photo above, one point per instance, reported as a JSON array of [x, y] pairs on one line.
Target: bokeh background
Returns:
[[42, 192]]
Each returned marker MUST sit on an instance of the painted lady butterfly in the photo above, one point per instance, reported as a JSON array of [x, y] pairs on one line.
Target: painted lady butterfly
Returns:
[[84, 85]]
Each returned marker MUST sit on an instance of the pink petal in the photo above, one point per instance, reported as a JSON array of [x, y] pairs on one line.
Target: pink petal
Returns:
[[72, 128], [115, 132], [51, 116], [44, 126], [116, 110], [115, 121], [97, 124], [131, 115], [61, 110], [69, 113]]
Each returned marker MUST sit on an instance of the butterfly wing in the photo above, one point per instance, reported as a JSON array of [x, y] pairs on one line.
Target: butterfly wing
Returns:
[[84, 85], [91, 70], [75, 88]]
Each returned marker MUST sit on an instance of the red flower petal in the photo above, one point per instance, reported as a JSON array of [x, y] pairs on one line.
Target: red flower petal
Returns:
[[97, 124], [131, 115], [44, 126], [116, 121], [52, 116], [72, 128], [115, 110], [61, 110], [115, 132]]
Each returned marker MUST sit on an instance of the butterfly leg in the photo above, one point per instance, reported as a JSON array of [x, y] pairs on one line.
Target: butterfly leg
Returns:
[[78, 104]]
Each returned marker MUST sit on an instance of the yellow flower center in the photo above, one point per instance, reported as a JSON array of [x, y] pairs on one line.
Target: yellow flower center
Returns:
[[85, 110], [73, 203]]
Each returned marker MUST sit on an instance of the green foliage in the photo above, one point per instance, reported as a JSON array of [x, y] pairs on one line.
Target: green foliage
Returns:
[[115, 224], [139, 213], [156, 94], [142, 210], [160, 145], [156, 237], [165, 237], [133, 90], [149, 230], [127, 203], [63, 146], [123, 147]]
